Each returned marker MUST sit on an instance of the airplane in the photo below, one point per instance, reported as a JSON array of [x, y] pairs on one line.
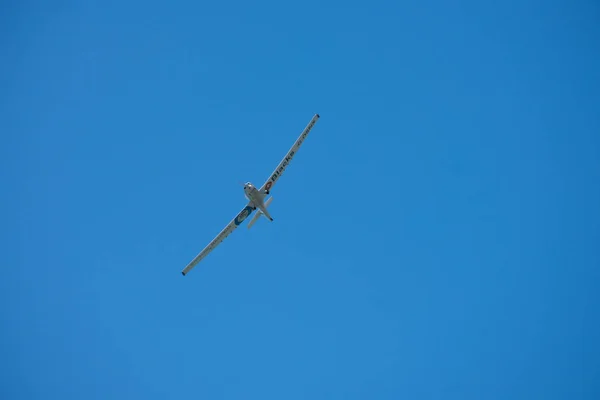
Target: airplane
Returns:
[[256, 199]]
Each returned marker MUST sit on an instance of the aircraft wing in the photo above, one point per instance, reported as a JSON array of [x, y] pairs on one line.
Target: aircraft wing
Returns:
[[288, 157], [240, 217]]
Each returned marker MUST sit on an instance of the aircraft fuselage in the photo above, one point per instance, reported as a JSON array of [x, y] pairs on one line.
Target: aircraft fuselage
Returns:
[[257, 199]]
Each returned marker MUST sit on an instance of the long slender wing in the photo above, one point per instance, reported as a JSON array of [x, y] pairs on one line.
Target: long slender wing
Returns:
[[242, 215], [288, 157]]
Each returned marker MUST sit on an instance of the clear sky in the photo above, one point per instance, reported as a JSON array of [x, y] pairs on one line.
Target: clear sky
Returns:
[[436, 237]]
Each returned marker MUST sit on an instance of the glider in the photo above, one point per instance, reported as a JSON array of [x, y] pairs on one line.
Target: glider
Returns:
[[256, 199]]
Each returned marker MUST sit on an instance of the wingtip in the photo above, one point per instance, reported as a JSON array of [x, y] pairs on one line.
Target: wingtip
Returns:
[[183, 273]]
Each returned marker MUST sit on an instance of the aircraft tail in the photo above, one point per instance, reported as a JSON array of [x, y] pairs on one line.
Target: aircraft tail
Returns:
[[259, 213]]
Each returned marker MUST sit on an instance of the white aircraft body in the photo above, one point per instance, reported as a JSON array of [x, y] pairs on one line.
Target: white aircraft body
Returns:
[[256, 199]]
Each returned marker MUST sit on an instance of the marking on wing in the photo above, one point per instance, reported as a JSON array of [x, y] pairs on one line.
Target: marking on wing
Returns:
[[243, 215]]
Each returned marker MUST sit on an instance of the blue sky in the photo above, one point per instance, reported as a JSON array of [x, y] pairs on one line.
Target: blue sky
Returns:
[[436, 236]]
